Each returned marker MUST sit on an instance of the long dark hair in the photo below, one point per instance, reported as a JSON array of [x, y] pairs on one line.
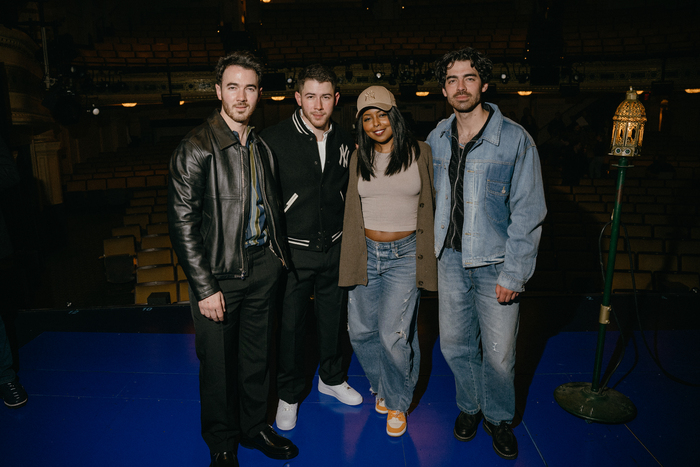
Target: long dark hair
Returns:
[[403, 153]]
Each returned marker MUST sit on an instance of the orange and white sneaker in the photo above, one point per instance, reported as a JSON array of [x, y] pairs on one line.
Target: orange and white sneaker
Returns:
[[380, 405], [395, 423]]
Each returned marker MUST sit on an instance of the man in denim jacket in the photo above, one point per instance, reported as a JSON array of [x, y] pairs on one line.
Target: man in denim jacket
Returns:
[[489, 210]]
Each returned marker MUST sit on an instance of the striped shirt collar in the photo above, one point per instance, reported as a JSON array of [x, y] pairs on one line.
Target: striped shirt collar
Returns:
[[303, 127]]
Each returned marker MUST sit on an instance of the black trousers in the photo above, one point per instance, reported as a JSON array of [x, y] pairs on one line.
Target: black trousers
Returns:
[[314, 273], [234, 355]]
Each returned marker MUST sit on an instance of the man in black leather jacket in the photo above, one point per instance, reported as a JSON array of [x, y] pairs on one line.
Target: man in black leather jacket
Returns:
[[224, 215]]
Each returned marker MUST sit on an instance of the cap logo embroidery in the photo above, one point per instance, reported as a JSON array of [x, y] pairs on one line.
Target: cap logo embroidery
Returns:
[[369, 95]]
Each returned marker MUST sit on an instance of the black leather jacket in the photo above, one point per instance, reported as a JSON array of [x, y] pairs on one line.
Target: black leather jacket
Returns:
[[208, 204]]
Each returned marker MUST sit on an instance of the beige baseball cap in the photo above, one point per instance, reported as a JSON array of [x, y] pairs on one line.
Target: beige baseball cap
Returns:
[[375, 96]]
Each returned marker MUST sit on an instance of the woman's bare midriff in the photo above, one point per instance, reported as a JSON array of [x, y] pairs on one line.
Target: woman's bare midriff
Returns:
[[381, 236]]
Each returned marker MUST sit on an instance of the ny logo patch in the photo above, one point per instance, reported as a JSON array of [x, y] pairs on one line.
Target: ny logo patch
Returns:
[[344, 155]]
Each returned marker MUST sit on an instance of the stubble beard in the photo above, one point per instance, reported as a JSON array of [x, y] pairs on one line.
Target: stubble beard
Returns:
[[236, 116], [314, 122], [465, 106]]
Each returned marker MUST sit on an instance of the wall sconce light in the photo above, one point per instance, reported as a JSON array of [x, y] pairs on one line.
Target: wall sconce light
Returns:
[[422, 93], [129, 104], [524, 93], [277, 98], [693, 91]]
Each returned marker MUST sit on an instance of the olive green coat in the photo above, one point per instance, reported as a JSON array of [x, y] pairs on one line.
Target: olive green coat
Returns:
[[353, 253]]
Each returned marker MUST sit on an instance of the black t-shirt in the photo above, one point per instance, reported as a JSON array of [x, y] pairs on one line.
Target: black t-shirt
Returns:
[[456, 173]]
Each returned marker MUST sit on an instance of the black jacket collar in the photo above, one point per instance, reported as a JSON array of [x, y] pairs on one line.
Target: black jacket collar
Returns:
[[224, 136]]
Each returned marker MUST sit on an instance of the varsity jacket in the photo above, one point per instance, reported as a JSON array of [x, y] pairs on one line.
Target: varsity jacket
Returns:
[[313, 200]]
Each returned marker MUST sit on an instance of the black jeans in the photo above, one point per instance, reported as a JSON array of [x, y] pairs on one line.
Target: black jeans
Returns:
[[314, 273], [234, 355]]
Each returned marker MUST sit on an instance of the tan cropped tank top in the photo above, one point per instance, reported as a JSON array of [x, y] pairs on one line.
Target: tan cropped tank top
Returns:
[[390, 204]]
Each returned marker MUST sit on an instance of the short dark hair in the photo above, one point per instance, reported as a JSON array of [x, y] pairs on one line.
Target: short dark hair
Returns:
[[479, 61], [242, 58], [318, 72]]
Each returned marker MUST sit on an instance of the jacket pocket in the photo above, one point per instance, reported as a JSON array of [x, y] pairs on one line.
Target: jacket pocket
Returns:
[[497, 196]]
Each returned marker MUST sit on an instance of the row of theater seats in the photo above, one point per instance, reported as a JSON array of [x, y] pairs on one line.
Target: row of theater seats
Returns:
[[141, 251], [91, 178], [659, 244]]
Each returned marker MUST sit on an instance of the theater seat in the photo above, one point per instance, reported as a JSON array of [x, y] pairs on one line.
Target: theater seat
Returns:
[[118, 257], [154, 293]]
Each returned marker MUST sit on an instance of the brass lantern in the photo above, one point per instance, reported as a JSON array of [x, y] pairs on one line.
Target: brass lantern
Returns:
[[628, 127]]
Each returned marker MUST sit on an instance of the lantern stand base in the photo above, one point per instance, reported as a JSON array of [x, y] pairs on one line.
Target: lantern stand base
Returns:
[[604, 406]]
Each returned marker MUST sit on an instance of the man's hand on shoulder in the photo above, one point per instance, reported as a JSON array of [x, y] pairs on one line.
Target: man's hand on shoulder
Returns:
[[504, 295], [213, 307]]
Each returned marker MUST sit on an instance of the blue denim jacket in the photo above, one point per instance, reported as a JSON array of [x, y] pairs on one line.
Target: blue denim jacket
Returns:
[[503, 198]]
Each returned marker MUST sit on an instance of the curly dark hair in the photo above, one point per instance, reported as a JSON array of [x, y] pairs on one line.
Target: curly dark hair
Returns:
[[479, 61], [320, 73], [242, 58]]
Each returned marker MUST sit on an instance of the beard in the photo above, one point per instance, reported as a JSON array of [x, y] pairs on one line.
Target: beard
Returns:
[[236, 115], [467, 105], [319, 123]]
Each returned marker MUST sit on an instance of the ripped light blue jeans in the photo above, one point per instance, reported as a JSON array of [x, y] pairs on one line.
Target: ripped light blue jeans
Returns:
[[382, 319], [477, 337]]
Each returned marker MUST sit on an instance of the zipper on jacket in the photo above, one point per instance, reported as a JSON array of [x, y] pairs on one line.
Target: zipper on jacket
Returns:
[[244, 257], [273, 237]]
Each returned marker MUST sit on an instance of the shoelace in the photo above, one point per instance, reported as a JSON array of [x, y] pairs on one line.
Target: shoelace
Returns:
[[287, 407], [394, 421]]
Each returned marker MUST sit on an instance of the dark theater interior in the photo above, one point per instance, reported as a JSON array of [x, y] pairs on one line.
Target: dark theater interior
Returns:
[[96, 95]]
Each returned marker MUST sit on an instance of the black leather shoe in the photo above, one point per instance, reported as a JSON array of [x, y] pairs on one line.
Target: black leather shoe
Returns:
[[504, 442], [271, 444], [466, 425], [223, 459]]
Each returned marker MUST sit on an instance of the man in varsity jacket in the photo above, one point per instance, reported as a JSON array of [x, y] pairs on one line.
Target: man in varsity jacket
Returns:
[[312, 154]]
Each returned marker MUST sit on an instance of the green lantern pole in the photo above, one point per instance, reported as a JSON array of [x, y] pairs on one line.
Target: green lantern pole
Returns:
[[604, 317], [589, 400]]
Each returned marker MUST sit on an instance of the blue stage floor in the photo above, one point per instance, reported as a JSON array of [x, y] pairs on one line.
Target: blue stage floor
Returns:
[[131, 399]]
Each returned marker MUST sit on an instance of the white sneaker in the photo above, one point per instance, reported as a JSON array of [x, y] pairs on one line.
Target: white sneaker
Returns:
[[343, 392], [286, 415]]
